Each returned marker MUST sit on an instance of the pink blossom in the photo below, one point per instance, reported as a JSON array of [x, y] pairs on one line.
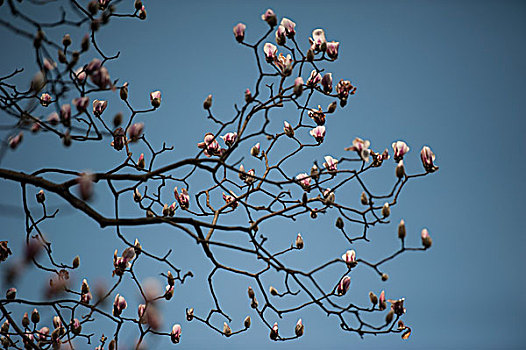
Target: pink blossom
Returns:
[[270, 18], [326, 82], [350, 258], [314, 78], [332, 49], [330, 163], [318, 133], [175, 335], [81, 103], [400, 149], [119, 305], [344, 285], [183, 199], [155, 98], [239, 32], [281, 35], [65, 114], [230, 200], [210, 145], [229, 138], [80, 74], [361, 147], [298, 86], [270, 52], [428, 157], [53, 118], [304, 180], [318, 41], [284, 63], [45, 99], [99, 107], [48, 64], [135, 131], [289, 27]]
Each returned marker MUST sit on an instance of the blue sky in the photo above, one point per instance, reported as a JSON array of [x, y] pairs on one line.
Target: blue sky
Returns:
[[448, 74]]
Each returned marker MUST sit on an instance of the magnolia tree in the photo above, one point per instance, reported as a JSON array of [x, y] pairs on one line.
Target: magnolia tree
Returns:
[[67, 100]]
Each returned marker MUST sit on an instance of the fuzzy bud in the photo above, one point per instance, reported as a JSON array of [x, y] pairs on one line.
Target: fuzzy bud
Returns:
[[363, 199], [41, 197], [385, 277], [299, 328], [386, 210], [226, 330], [190, 314], [35, 316], [401, 229], [251, 293], [400, 170], [389, 316], [332, 107], [208, 102], [273, 291], [426, 239], [373, 298], [10, 294], [299, 242], [247, 322], [76, 262], [310, 55], [339, 223]]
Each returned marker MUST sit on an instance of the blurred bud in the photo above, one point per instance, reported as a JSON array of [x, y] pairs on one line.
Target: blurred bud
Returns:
[[41, 197], [117, 120], [85, 181], [400, 170], [310, 55], [84, 44], [299, 242], [62, 57], [66, 139], [5, 327], [10, 294], [124, 91], [339, 223], [76, 262], [385, 277], [93, 7], [373, 298], [190, 314], [299, 328], [137, 195], [112, 345], [142, 13], [273, 291], [401, 229], [16, 140], [386, 211], [426, 239], [332, 107], [298, 86], [251, 293], [138, 4], [66, 40], [35, 316], [389, 316], [135, 131], [208, 102], [363, 199]]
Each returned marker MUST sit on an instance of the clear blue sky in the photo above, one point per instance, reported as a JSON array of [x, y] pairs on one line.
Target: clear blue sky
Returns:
[[449, 74]]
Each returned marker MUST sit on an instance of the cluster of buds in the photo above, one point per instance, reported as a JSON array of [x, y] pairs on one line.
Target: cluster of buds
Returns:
[[183, 198], [210, 145], [121, 263]]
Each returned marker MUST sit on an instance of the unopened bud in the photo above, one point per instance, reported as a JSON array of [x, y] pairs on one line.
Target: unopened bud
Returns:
[[373, 298], [339, 223], [401, 229], [138, 4], [248, 96], [124, 92], [247, 322], [10, 294], [254, 303], [386, 211], [141, 162], [389, 316], [208, 102], [5, 327], [251, 293], [190, 314], [385, 277], [299, 328], [310, 55], [112, 345], [62, 57], [84, 44], [363, 199], [332, 107], [137, 195], [117, 120], [35, 316], [314, 173], [93, 7], [25, 320], [226, 330], [400, 170], [254, 151], [66, 139], [76, 262], [66, 40], [313, 214], [426, 239], [273, 290], [299, 242], [41, 197]]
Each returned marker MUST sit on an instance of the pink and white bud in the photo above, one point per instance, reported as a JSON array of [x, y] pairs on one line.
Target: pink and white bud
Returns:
[[183, 199], [318, 41], [175, 335], [80, 74], [299, 241], [53, 118], [99, 107], [289, 27], [270, 17], [45, 99], [230, 138], [304, 180], [361, 147], [76, 327], [326, 83], [141, 310], [119, 304], [428, 157], [344, 285], [254, 151], [85, 181], [281, 35], [350, 258], [298, 86], [135, 131], [330, 164], [299, 328], [49, 64], [314, 78], [288, 129], [248, 96], [169, 292], [239, 32], [155, 98], [318, 133], [274, 332], [332, 49], [230, 200], [270, 51], [426, 239], [400, 148]]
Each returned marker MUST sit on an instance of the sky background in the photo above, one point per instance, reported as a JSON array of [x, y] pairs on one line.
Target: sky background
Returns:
[[448, 74]]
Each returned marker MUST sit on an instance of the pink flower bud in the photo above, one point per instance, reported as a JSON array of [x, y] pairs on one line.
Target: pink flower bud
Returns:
[[53, 118], [226, 329], [274, 332], [314, 78], [318, 41], [299, 242], [381, 303], [318, 133], [169, 292], [210, 145], [281, 35], [239, 32], [155, 99], [330, 164], [289, 27], [48, 64], [270, 51], [183, 199], [317, 116], [288, 129], [175, 335], [428, 157], [270, 18], [80, 74], [208, 102], [10, 294], [326, 83], [119, 305], [229, 138], [344, 88], [135, 131], [45, 99], [85, 181], [361, 147], [254, 151], [426, 239], [350, 258], [304, 180], [14, 141], [65, 115], [344, 285], [81, 103], [99, 107], [400, 149], [76, 326], [298, 86], [141, 163], [332, 49], [284, 63]]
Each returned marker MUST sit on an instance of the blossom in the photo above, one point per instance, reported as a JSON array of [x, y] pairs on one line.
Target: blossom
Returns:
[[344, 285], [304, 180], [318, 133], [175, 335], [270, 18], [326, 82], [81, 103], [119, 304], [210, 145], [230, 200], [289, 27], [284, 63], [330, 163], [155, 98], [270, 52], [318, 41], [99, 107], [288, 129], [344, 88], [298, 86], [45, 99], [281, 33], [350, 258], [230, 138], [400, 149], [332, 49], [317, 115], [314, 78], [428, 157], [183, 199], [250, 176], [80, 74], [135, 131], [239, 32], [361, 147]]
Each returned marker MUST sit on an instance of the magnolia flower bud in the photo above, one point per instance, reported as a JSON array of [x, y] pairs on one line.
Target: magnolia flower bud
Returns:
[[274, 332], [363, 199], [426, 239], [251, 293], [386, 211], [314, 173], [401, 229], [247, 322], [226, 329], [299, 242], [138, 4], [66, 40], [76, 327], [171, 278], [299, 328], [254, 303], [57, 322], [155, 99], [208, 102], [273, 290], [137, 196], [117, 119], [248, 96], [142, 13], [62, 57], [112, 345], [190, 314], [400, 170], [298, 86], [373, 298], [169, 292], [389, 316], [66, 140], [124, 91], [288, 129], [239, 32], [76, 262], [35, 316], [382, 303], [141, 162], [339, 223], [343, 286], [10, 294], [270, 18], [175, 335], [25, 320], [385, 277], [332, 107], [41, 197], [310, 55], [254, 151]]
